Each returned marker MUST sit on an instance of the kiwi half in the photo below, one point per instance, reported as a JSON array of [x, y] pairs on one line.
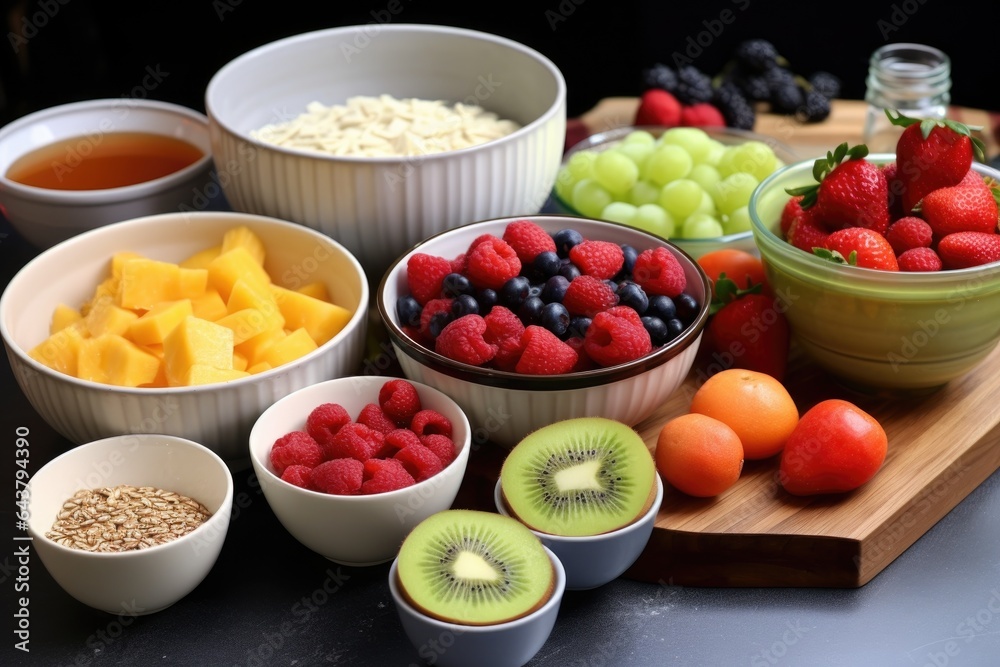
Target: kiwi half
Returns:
[[474, 568], [576, 477]]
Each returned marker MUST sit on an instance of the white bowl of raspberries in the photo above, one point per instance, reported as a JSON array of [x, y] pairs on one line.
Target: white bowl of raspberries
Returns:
[[349, 466], [524, 321]]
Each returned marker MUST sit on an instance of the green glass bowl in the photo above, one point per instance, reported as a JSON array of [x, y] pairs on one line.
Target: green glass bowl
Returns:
[[881, 332]]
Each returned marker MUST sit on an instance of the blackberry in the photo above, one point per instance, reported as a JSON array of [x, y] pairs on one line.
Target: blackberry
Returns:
[[659, 76], [693, 85], [735, 108], [826, 84], [778, 77], [815, 107], [787, 99], [758, 55], [754, 87]]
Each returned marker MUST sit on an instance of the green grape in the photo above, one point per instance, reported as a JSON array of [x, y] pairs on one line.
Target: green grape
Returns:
[[755, 158], [643, 192], [706, 176], [619, 211], [639, 137], [701, 226], [694, 140], [737, 221], [636, 151], [581, 164], [653, 219], [715, 152], [565, 183], [615, 172], [667, 163], [734, 191], [681, 198], [589, 198], [707, 205], [726, 164]]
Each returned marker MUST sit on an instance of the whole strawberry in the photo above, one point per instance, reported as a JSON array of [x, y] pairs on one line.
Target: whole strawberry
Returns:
[[750, 332], [857, 246], [849, 193], [964, 249], [932, 154], [970, 206], [658, 107]]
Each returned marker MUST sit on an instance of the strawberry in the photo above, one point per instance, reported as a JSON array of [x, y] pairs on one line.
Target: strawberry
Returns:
[[658, 107], [970, 206], [932, 154], [851, 193], [964, 249], [791, 211], [861, 247], [702, 114], [750, 332], [805, 233]]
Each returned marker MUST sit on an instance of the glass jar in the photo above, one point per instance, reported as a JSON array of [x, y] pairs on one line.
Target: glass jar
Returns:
[[913, 79]]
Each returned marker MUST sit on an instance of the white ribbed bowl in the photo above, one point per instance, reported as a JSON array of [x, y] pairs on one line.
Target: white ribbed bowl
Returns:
[[219, 415], [379, 207], [502, 406]]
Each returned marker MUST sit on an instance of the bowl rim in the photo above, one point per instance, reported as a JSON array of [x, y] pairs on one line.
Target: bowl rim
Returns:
[[557, 106], [461, 456], [218, 523], [105, 195], [358, 318], [872, 279], [563, 381]]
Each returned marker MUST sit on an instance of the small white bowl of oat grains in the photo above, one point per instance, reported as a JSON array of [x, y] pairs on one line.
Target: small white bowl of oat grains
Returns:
[[130, 524], [383, 135]]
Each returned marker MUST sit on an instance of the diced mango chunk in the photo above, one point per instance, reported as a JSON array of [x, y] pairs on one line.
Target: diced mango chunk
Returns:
[[119, 259], [239, 361], [107, 289], [253, 348], [196, 342], [243, 237], [291, 347], [60, 350], [146, 282], [322, 319], [230, 267], [316, 290], [112, 359], [191, 283], [107, 318], [209, 306], [154, 325], [202, 374], [246, 324], [259, 368], [201, 259], [63, 316]]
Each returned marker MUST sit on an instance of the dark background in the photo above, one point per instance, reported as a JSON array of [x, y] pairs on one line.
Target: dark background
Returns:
[[57, 51]]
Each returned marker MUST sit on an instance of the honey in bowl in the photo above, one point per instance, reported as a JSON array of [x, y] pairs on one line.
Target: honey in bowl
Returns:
[[99, 162]]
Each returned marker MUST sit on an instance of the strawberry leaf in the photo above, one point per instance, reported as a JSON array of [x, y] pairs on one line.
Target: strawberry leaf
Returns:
[[927, 126], [725, 291], [835, 257], [824, 166]]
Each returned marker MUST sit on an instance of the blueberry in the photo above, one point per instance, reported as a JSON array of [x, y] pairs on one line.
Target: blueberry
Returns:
[[566, 239], [687, 307], [535, 290], [464, 304], [675, 327], [657, 328], [569, 271], [514, 292], [630, 256], [555, 289], [455, 284], [487, 298], [578, 325], [408, 311], [547, 264], [662, 307], [630, 294], [555, 318], [438, 321], [531, 310]]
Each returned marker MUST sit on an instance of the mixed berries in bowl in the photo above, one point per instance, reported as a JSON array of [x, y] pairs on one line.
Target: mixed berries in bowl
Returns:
[[887, 266], [524, 321]]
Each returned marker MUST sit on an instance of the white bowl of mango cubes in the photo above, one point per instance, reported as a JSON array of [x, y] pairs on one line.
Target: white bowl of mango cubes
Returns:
[[158, 326]]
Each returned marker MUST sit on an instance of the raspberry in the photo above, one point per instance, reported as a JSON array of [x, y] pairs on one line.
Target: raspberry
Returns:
[[462, 340], [427, 422], [441, 445], [399, 401], [400, 438], [372, 416], [657, 271], [627, 313], [300, 476], [544, 353], [295, 448], [424, 275], [791, 211], [588, 295], [432, 308], [602, 259], [419, 461], [354, 441], [383, 475], [919, 259], [504, 329], [491, 263], [703, 114], [527, 239], [909, 232], [325, 420], [583, 361], [342, 477], [613, 339], [458, 264]]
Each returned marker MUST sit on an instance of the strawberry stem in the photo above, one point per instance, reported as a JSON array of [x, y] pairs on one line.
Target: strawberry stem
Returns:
[[726, 290], [825, 165], [927, 126]]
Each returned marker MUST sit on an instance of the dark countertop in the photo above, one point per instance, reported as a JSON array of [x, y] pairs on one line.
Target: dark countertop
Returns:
[[271, 601]]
